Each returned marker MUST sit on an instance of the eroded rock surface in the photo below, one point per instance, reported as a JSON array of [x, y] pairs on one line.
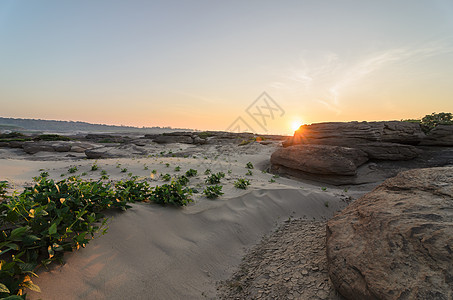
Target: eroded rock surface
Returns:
[[388, 151], [320, 159], [441, 135], [396, 242], [351, 133]]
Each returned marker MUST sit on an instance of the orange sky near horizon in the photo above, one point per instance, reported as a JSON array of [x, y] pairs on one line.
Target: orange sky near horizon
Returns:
[[202, 64]]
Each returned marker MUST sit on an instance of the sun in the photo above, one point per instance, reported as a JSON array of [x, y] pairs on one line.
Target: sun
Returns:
[[296, 124]]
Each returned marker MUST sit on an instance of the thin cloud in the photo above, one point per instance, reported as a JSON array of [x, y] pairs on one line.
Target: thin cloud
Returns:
[[325, 79]]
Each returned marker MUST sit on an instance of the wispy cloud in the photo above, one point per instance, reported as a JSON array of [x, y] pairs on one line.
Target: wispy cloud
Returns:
[[326, 78]]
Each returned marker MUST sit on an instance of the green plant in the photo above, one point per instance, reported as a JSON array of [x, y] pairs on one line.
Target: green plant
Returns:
[[345, 190], [191, 173], [204, 135], [434, 119], [207, 172], [177, 169], [215, 178], [272, 180], [84, 174], [242, 183], [245, 142], [166, 177], [249, 165], [154, 171], [145, 168], [213, 191], [52, 137], [72, 169], [167, 165], [326, 204], [183, 180], [276, 176], [173, 194], [103, 172], [44, 174], [104, 177], [123, 170], [249, 173], [94, 167], [44, 221], [130, 174], [229, 171], [324, 189], [132, 190], [4, 185]]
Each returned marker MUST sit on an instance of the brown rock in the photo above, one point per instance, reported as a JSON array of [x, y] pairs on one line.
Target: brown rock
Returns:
[[166, 139], [351, 133], [335, 133], [320, 159], [35, 147], [397, 241], [388, 151], [62, 147], [441, 135]]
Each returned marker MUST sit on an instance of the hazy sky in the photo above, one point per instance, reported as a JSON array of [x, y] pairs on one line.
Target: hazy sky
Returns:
[[200, 64]]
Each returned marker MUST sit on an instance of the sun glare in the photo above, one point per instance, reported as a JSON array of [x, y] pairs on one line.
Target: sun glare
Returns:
[[296, 124]]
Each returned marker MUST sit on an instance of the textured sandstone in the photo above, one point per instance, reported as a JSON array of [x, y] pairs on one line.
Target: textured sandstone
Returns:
[[396, 242], [320, 159]]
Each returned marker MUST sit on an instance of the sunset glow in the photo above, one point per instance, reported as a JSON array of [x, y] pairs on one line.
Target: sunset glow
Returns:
[[202, 64], [295, 125]]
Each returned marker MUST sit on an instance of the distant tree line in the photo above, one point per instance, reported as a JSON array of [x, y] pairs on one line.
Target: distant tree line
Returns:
[[61, 126]]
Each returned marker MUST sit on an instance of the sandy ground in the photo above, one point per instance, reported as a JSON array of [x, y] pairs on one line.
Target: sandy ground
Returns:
[[154, 252], [290, 264]]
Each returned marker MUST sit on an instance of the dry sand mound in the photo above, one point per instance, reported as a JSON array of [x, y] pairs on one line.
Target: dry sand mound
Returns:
[[165, 253]]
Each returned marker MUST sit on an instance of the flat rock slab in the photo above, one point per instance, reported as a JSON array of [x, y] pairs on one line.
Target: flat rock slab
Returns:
[[396, 242]]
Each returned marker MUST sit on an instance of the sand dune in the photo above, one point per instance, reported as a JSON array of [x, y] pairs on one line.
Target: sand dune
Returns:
[[154, 252], [172, 253]]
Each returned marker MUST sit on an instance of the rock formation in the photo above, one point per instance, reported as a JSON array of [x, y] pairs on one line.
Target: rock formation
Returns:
[[396, 141], [396, 242], [320, 159]]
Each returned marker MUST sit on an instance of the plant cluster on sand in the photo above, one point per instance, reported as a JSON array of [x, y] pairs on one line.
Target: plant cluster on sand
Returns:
[[50, 218], [215, 178], [213, 191], [241, 183]]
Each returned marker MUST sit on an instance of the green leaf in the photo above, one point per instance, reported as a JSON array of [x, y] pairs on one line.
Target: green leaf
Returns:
[[30, 285], [13, 297], [4, 289], [17, 233], [30, 239], [53, 229]]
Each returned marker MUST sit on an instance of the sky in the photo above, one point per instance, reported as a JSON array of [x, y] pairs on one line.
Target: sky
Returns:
[[206, 64]]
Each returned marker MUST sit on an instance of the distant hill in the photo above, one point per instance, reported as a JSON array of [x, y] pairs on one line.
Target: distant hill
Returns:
[[16, 124]]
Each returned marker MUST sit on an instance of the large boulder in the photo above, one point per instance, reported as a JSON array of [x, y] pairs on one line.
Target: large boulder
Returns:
[[320, 159], [114, 152], [104, 152], [167, 139], [388, 151], [396, 242], [349, 134], [441, 135], [35, 147], [62, 147], [334, 133], [399, 132]]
